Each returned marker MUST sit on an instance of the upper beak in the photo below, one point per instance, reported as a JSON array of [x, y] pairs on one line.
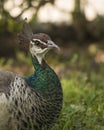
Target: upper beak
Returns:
[[51, 44]]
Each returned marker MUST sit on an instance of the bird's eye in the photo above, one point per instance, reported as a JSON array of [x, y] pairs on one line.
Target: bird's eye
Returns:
[[37, 42]]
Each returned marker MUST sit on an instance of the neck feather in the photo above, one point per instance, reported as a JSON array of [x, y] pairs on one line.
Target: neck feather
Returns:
[[42, 77], [36, 63], [40, 70]]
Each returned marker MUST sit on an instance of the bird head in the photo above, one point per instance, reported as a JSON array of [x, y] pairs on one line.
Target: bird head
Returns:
[[39, 44]]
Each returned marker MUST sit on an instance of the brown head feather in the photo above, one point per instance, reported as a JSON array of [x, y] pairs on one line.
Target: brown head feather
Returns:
[[41, 36]]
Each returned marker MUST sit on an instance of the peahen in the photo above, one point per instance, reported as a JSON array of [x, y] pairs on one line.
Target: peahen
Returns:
[[33, 102]]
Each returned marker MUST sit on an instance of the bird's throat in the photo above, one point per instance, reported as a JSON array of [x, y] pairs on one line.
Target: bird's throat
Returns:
[[39, 58], [38, 66], [38, 62]]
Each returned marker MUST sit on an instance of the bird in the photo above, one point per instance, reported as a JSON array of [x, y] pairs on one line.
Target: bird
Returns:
[[32, 102]]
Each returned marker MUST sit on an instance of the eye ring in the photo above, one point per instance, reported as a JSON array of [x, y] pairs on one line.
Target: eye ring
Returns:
[[37, 42]]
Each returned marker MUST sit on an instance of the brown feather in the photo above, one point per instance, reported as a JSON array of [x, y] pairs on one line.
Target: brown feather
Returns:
[[42, 36]]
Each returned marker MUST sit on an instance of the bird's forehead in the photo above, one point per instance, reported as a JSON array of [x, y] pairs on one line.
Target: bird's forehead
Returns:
[[41, 36]]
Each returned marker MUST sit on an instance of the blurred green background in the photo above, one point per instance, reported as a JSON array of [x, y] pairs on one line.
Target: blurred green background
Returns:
[[77, 26]]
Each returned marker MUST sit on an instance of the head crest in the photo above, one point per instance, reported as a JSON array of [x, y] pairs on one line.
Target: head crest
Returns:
[[26, 34]]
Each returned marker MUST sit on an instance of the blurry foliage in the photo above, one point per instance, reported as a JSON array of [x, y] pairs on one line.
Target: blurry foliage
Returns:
[[7, 21], [9, 26], [82, 28], [20, 62], [81, 31]]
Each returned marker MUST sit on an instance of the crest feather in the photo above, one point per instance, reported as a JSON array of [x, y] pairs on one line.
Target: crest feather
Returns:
[[26, 34]]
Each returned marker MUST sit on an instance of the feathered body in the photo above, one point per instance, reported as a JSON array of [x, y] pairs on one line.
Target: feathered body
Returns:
[[34, 101]]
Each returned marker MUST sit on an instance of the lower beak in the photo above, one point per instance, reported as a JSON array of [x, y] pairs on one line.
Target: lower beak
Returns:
[[52, 45]]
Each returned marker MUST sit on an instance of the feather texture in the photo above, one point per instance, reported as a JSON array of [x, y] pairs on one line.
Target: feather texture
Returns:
[[36, 99]]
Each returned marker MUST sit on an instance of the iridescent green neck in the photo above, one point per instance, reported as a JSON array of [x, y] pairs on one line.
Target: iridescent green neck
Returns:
[[44, 79], [40, 72], [37, 65]]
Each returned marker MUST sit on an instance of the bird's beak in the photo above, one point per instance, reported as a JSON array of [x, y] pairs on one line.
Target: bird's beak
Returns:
[[52, 45]]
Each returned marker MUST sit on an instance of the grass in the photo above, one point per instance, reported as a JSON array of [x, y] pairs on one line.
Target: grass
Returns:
[[83, 107], [83, 87]]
